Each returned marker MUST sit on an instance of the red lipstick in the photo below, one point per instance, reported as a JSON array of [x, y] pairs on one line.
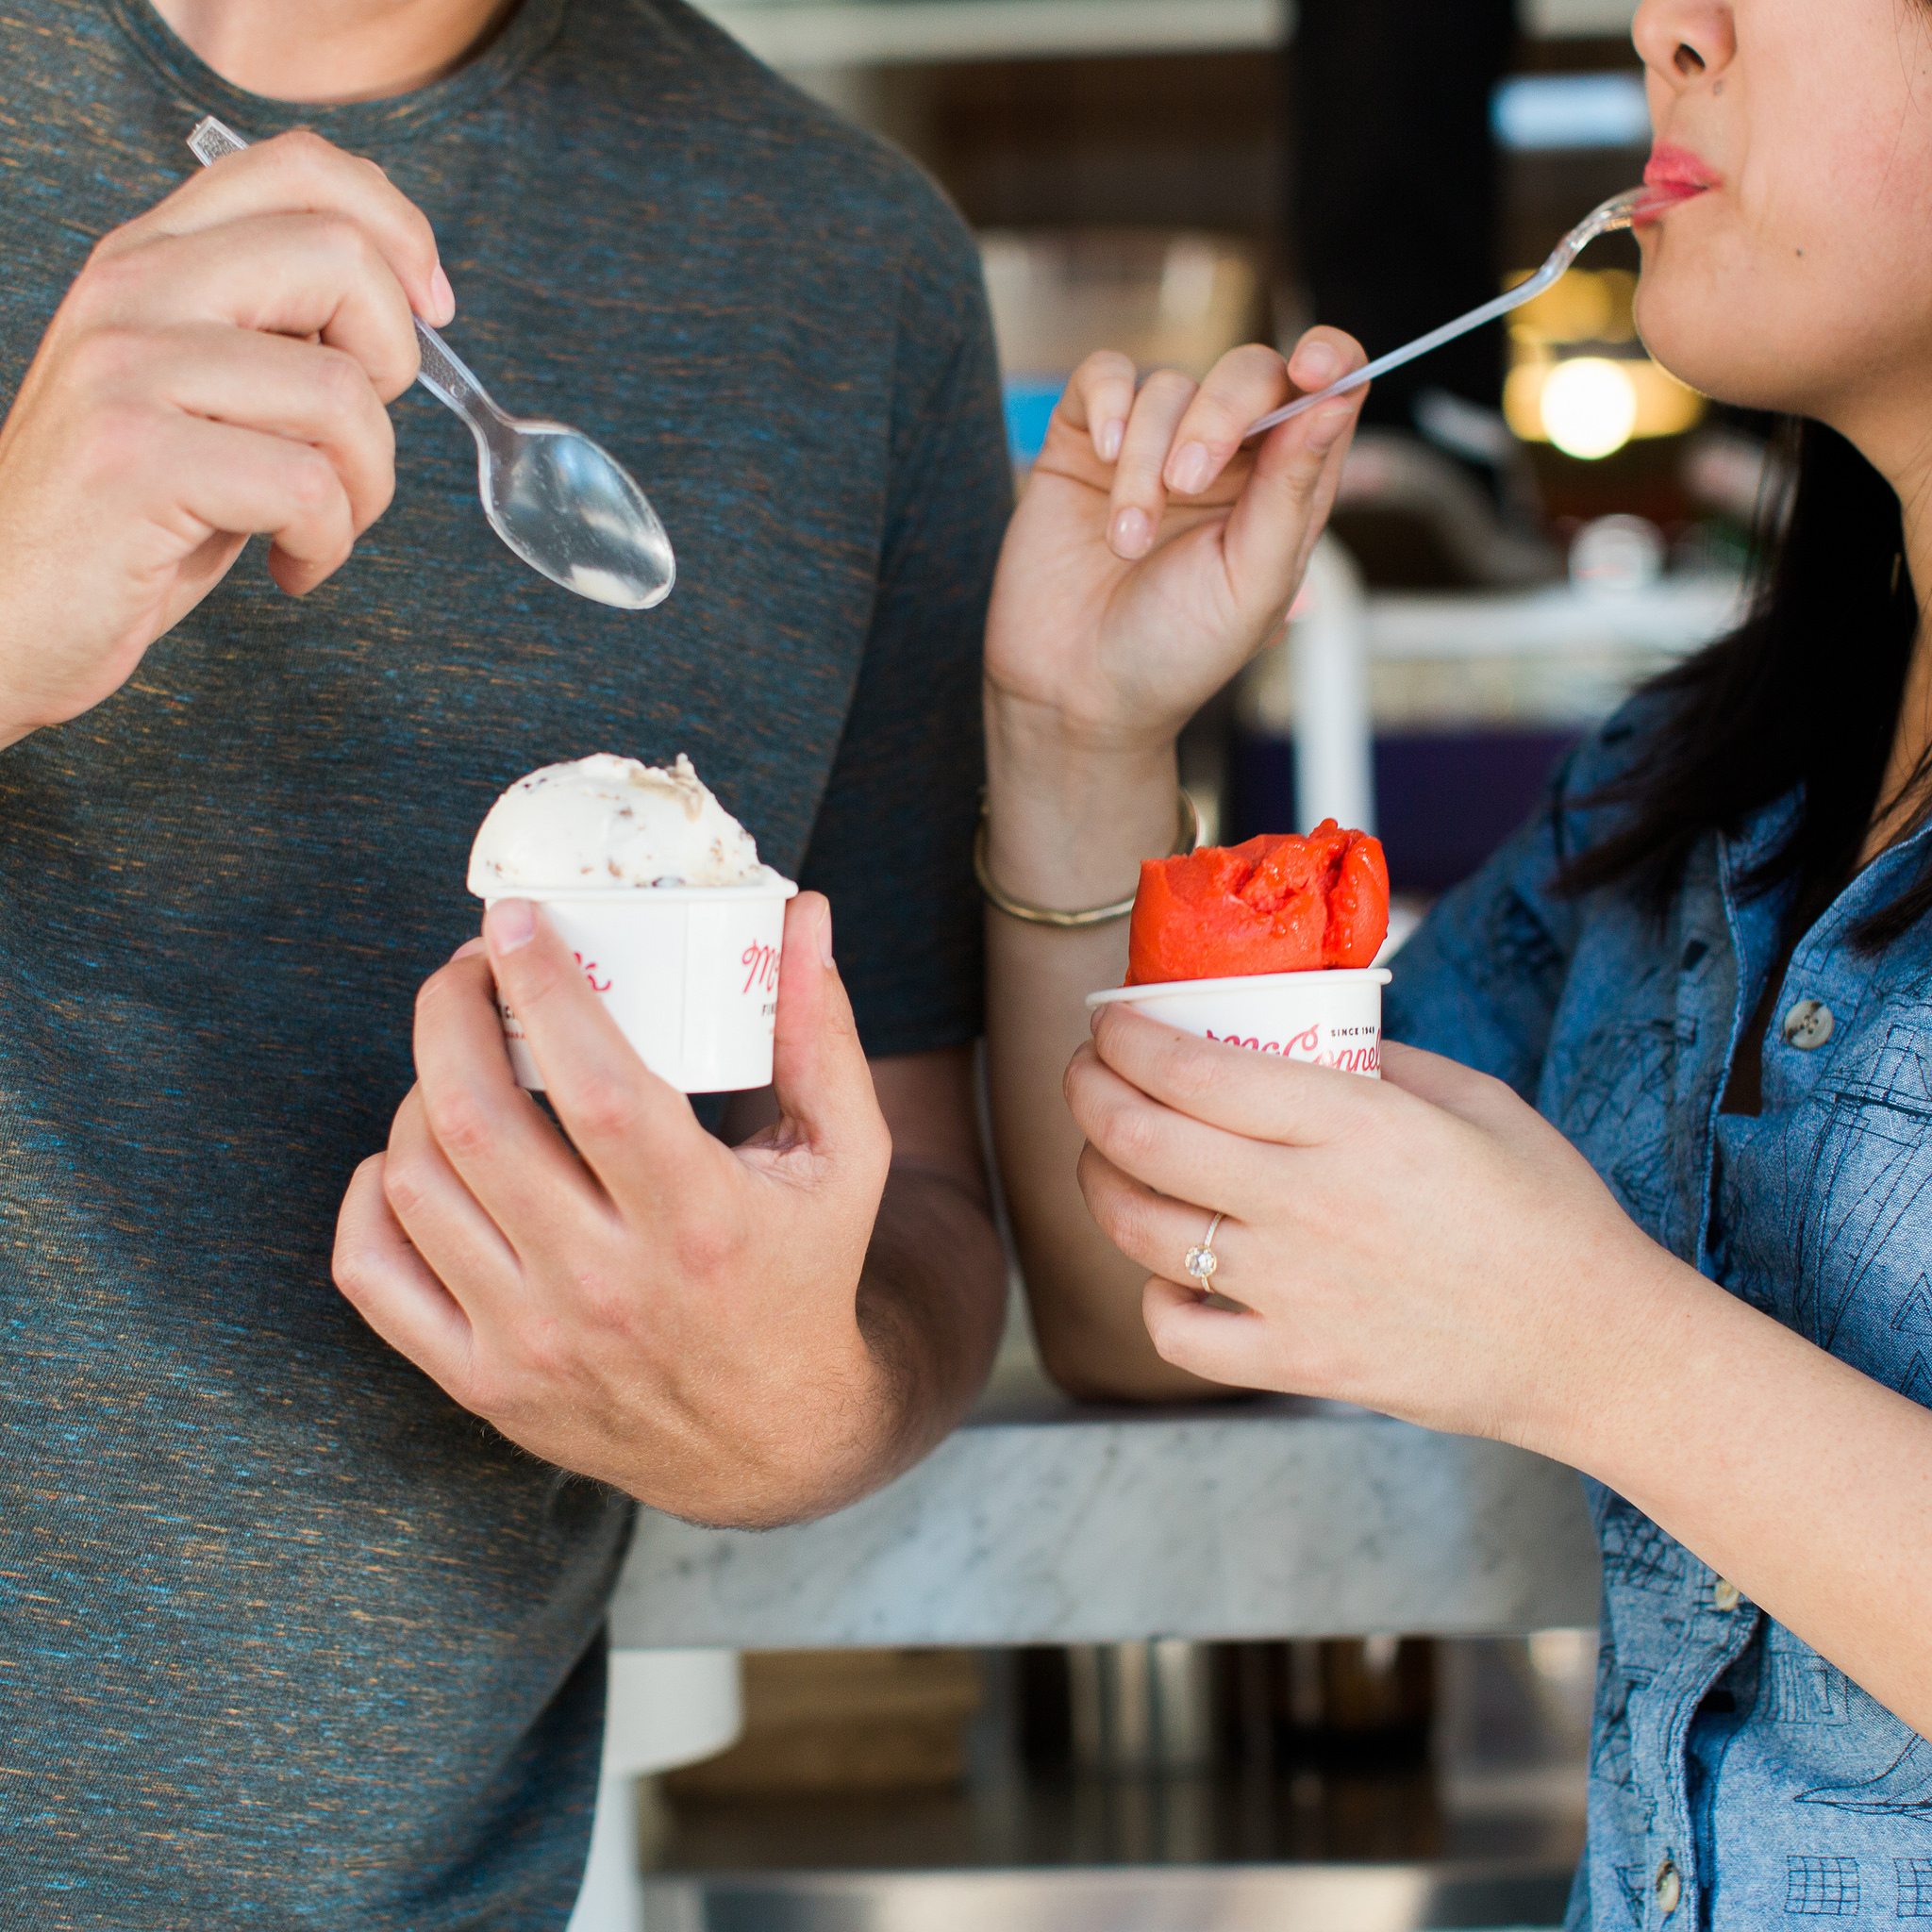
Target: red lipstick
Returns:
[[1675, 175]]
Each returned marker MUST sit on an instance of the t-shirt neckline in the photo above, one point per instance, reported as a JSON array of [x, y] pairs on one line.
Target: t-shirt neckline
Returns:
[[516, 44]]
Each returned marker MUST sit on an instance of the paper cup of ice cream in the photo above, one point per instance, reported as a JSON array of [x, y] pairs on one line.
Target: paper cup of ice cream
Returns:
[[1267, 946], [659, 892]]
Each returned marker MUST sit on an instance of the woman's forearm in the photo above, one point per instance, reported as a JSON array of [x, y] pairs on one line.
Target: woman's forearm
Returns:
[[1804, 1483], [1068, 828]]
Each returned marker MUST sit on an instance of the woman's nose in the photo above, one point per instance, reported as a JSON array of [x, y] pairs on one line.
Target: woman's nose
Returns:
[[1685, 41]]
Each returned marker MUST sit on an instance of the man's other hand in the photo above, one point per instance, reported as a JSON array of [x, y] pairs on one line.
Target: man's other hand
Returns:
[[629, 1298]]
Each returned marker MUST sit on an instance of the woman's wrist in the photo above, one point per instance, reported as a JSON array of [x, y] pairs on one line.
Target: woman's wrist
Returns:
[[1603, 1409], [1071, 815]]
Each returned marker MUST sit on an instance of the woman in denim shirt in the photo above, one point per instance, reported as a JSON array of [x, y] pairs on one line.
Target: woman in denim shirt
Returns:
[[1662, 1207]]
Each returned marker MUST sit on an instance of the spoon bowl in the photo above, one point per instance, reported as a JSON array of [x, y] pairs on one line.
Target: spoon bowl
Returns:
[[572, 511]]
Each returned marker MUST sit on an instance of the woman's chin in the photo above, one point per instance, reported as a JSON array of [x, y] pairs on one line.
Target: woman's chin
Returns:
[[1702, 345]]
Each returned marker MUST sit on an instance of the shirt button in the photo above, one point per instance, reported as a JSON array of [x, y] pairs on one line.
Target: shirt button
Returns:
[[1726, 1596], [1669, 1888], [1809, 1025]]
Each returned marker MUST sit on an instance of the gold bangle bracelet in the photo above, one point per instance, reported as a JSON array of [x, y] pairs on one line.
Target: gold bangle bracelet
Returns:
[[1186, 840]]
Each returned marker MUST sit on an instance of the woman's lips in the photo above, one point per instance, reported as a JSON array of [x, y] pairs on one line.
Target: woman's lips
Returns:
[[1673, 177], [1661, 198]]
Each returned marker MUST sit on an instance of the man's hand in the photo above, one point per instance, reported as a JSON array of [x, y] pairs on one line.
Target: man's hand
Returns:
[[637, 1302], [219, 369]]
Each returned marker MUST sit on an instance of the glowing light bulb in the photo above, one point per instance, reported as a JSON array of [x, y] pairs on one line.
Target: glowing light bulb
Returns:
[[1589, 407]]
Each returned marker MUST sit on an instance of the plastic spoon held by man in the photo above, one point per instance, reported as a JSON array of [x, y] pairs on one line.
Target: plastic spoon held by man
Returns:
[[562, 502]]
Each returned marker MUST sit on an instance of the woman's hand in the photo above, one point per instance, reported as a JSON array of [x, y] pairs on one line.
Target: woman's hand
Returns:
[[1153, 553], [1426, 1245]]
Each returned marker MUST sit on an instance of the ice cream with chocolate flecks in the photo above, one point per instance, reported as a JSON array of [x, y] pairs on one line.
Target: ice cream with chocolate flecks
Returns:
[[606, 823]]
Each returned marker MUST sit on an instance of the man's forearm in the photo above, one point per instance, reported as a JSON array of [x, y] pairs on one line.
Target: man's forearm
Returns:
[[931, 1309]]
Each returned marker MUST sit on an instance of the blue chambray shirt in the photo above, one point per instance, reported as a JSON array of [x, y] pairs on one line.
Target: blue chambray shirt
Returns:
[[1737, 1780]]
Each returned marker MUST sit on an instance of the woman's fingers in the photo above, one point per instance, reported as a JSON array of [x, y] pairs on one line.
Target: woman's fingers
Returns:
[[1165, 1150], [1242, 387], [1099, 400], [1139, 495], [1219, 1344], [1155, 1229], [1258, 1096], [1297, 473]]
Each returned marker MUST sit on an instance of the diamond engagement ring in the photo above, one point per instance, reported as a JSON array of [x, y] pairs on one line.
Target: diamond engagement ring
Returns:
[[1203, 1261]]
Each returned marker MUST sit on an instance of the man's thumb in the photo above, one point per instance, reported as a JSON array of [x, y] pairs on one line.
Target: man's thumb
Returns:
[[819, 1073]]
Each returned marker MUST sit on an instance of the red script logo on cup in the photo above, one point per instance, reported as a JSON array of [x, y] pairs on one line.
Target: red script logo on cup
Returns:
[[761, 968], [591, 970], [1307, 1047]]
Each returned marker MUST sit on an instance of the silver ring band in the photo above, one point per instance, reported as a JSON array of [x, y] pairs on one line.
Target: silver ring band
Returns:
[[1201, 1261]]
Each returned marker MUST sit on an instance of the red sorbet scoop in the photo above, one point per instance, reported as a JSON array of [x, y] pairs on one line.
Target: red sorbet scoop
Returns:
[[1278, 904]]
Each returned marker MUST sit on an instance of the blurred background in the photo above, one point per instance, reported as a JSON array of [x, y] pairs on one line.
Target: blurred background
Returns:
[[1533, 522]]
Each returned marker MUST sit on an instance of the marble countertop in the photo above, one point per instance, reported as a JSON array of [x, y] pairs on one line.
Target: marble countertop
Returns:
[[1044, 1523]]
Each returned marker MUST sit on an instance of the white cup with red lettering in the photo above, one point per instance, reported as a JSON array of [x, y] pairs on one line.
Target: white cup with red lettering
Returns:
[[1328, 1018], [689, 973]]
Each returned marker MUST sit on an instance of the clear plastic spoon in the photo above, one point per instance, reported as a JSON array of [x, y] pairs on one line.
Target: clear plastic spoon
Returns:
[[1619, 211], [565, 505]]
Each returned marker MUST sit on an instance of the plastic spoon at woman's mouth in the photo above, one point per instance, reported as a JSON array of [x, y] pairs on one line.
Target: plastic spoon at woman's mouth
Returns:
[[1624, 210]]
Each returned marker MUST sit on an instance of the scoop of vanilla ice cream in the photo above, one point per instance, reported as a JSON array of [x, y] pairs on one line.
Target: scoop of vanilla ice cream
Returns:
[[609, 822]]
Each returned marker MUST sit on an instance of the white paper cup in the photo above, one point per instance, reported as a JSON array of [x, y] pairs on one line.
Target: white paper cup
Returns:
[[1326, 1019], [689, 973]]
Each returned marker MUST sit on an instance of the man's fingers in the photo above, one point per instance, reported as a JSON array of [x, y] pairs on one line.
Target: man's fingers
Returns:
[[1259, 1096], [1216, 1343], [392, 1289], [1140, 495], [463, 1247], [1297, 470], [293, 275], [303, 390], [511, 1160], [820, 1078], [1242, 388], [636, 1133], [1099, 400], [241, 482], [300, 173], [1164, 1149]]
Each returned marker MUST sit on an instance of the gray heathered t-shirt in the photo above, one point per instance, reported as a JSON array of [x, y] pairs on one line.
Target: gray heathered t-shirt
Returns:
[[286, 1638]]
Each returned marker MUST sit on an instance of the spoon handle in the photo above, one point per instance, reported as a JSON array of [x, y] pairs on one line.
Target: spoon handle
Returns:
[[1614, 214], [443, 372]]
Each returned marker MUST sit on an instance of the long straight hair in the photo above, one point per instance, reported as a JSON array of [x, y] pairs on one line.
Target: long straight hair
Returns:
[[1804, 696]]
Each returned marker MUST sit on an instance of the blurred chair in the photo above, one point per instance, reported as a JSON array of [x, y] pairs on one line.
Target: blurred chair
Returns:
[[666, 1707], [1435, 718], [1167, 298]]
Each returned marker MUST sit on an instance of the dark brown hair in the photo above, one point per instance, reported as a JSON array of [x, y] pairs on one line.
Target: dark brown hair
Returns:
[[1805, 696]]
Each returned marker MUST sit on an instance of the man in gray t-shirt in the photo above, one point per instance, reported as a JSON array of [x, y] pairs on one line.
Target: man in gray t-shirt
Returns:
[[287, 1636]]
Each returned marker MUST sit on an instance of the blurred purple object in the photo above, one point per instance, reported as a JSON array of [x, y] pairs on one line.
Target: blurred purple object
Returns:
[[1444, 800]]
